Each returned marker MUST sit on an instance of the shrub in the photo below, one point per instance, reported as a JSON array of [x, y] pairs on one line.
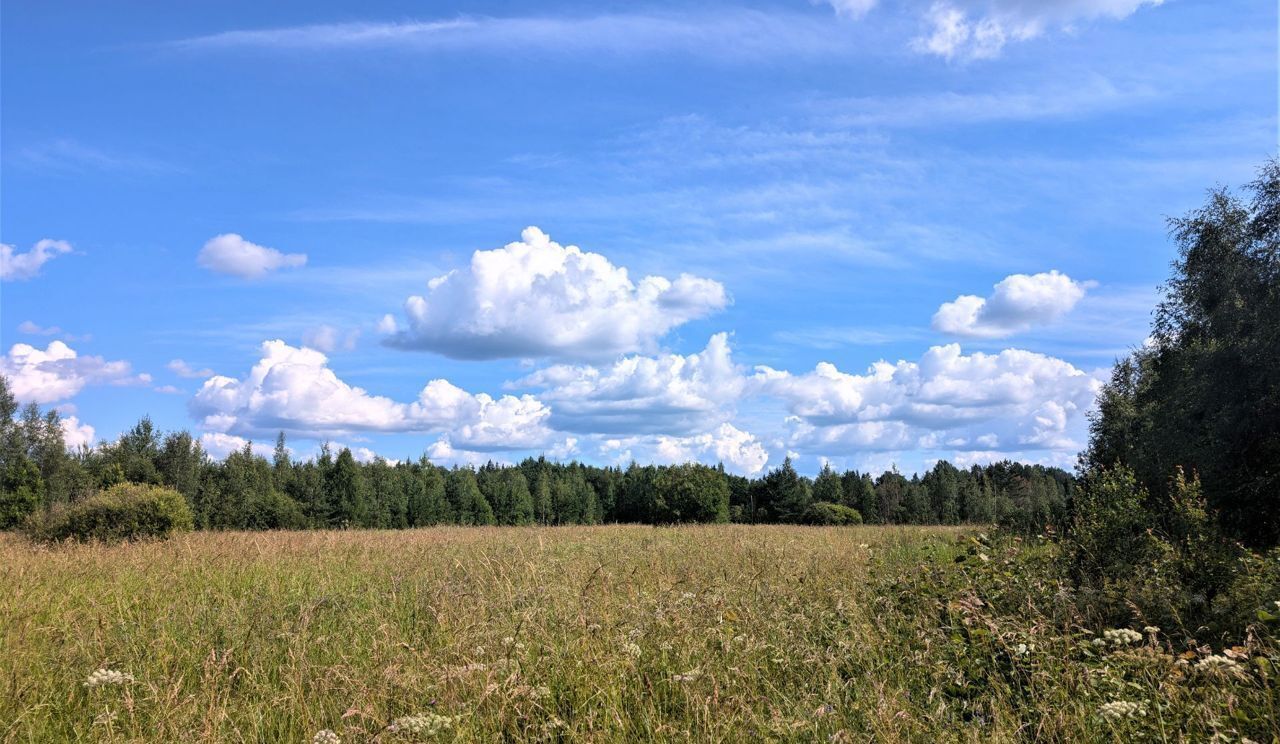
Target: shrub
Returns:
[[125, 511], [827, 513]]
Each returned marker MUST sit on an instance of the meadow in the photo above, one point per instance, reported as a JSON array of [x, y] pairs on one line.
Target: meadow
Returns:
[[619, 633]]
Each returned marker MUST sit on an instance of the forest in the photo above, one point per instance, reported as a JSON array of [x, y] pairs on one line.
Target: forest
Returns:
[[334, 490]]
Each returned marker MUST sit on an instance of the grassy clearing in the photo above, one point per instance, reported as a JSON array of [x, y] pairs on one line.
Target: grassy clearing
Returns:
[[723, 633]]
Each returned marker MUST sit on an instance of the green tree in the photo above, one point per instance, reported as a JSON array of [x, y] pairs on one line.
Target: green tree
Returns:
[[1205, 394], [468, 504], [691, 493], [828, 487]]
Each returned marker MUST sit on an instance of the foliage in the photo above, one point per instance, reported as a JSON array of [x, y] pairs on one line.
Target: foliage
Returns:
[[1205, 394], [126, 511], [827, 513], [690, 493]]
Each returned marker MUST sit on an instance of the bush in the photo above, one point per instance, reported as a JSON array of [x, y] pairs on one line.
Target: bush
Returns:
[[827, 513], [126, 511], [1163, 561]]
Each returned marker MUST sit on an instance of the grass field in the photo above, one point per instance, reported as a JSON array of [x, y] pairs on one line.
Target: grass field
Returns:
[[721, 633]]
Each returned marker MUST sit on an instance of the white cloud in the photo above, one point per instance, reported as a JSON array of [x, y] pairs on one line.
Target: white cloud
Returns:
[[233, 255], [182, 369], [720, 34], [537, 298], [740, 451], [219, 445], [76, 434], [979, 29], [293, 389], [1019, 303], [58, 372], [16, 267], [328, 339], [1014, 400], [669, 393]]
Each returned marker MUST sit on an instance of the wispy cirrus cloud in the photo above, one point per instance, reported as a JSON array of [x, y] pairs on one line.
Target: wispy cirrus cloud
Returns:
[[723, 34]]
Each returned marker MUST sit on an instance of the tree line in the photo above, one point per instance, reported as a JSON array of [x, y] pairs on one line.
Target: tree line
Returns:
[[247, 490]]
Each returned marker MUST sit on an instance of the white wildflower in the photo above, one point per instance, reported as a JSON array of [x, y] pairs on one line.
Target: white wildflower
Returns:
[[1121, 709], [422, 724], [688, 596], [1151, 630], [508, 640], [1218, 663], [1122, 637], [326, 736], [688, 676], [1021, 649], [541, 692], [101, 677], [631, 650]]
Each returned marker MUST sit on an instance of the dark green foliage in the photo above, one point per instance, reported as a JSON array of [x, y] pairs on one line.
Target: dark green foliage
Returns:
[[783, 496], [126, 511], [507, 492], [467, 504], [829, 514], [690, 493], [1205, 395], [828, 487]]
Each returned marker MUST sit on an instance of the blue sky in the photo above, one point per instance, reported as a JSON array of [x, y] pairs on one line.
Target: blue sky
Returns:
[[879, 232]]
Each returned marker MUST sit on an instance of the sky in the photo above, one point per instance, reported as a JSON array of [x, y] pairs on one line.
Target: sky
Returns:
[[874, 233]]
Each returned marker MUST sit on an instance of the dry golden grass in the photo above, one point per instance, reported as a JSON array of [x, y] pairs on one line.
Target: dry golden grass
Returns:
[[273, 636], [721, 633]]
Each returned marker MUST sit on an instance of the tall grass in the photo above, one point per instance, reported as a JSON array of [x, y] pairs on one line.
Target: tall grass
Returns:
[[723, 633]]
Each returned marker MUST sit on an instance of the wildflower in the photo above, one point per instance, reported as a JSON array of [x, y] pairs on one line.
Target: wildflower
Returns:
[[507, 641], [1218, 663], [632, 650], [422, 724], [326, 736], [102, 677], [541, 692], [1122, 637], [688, 596], [984, 557], [1021, 649], [1121, 709], [688, 676]]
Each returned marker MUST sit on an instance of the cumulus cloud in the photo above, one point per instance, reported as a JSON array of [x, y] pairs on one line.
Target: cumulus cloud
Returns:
[[669, 393], [57, 372], [1013, 400], [219, 445], [980, 29], [740, 451], [293, 389], [76, 433], [537, 298], [1019, 303], [233, 255], [17, 267], [328, 339]]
